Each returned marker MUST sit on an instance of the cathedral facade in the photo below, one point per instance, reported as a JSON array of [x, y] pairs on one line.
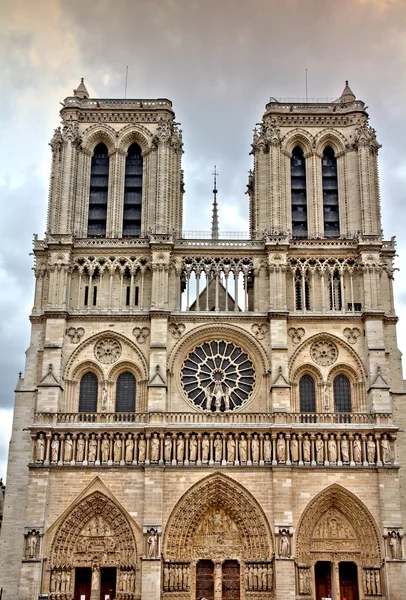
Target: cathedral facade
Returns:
[[209, 418]]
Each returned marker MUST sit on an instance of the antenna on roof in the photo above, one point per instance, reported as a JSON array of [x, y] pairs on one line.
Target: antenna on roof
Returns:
[[306, 85], [126, 80], [215, 215]]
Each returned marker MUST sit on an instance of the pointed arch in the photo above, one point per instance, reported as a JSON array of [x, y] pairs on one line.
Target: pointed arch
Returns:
[[134, 133], [99, 133], [329, 137], [221, 493], [357, 523], [297, 137]]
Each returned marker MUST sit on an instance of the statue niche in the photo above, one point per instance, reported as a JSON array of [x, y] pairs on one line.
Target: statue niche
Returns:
[[217, 536]]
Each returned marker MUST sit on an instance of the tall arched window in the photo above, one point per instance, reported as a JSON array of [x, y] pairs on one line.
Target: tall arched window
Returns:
[[88, 393], [330, 193], [125, 392], [342, 394], [99, 186], [307, 394], [132, 192], [298, 193]]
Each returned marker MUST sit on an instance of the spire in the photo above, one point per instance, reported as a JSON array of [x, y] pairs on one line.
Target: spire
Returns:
[[81, 91], [215, 214], [347, 95]]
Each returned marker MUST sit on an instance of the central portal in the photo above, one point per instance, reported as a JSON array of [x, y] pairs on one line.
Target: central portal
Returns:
[[205, 580]]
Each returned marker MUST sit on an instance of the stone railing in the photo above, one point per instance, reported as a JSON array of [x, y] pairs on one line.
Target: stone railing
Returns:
[[184, 448], [221, 419]]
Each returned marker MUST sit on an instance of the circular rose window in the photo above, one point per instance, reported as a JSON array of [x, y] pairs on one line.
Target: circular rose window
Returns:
[[218, 376]]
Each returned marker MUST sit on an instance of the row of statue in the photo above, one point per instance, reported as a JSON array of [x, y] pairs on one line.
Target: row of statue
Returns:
[[126, 580], [372, 582], [177, 448], [176, 577], [60, 580], [304, 580], [259, 577]]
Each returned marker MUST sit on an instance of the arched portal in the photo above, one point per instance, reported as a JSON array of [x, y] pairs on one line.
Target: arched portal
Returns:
[[219, 539], [338, 547], [93, 551]]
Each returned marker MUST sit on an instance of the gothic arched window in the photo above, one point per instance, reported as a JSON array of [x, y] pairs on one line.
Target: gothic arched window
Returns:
[[88, 393], [125, 392], [342, 394], [298, 193], [307, 394], [330, 193], [99, 186], [132, 192]]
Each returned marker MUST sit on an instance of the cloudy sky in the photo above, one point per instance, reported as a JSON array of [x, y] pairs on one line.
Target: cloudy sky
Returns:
[[219, 61]]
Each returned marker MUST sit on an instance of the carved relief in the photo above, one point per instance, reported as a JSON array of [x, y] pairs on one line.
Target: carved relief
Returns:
[[352, 334], [107, 350], [304, 580], [259, 577], [152, 538], [176, 577], [260, 330], [176, 330], [284, 543], [324, 353], [395, 545], [334, 532], [216, 532], [296, 334], [372, 582], [141, 334], [75, 334]]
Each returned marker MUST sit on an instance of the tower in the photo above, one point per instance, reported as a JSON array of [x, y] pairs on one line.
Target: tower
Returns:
[[209, 418]]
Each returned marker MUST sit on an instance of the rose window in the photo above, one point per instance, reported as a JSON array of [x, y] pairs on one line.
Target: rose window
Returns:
[[324, 353], [218, 376], [107, 351]]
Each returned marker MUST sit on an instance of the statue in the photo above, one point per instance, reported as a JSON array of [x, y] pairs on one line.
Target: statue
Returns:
[[326, 396], [154, 448], [67, 449], [205, 448], [306, 449], [193, 448], [371, 449], [105, 448], [40, 450], [385, 445], [142, 449], [302, 581], [281, 448], [218, 448], [294, 449], [32, 544], [227, 397], [180, 449], [129, 448], [80, 448], [345, 452], [104, 395], [117, 449], [95, 578], [208, 396], [267, 448], [152, 542], [357, 449], [230, 448], [394, 543], [242, 449], [319, 449], [168, 448], [92, 448], [255, 448], [284, 544], [332, 449], [55, 448], [166, 577]]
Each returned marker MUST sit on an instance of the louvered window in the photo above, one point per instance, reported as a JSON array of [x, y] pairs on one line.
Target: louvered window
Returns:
[[298, 193], [330, 194], [342, 394], [99, 185], [132, 192], [88, 393], [125, 392], [307, 394]]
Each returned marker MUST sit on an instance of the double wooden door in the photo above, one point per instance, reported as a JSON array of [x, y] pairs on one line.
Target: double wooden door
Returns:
[[230, 580]]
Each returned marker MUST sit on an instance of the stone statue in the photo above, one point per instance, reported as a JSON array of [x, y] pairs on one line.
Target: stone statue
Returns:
[[284, 544], [326, 396], [371, 449], [302, 581], [230, 449], [67, 449], [205, 448], [294, 449], [168, 448], [227, 396], [357, 449], [117, 449], [306, 449], [55, 448], [218, 395], [378, 582], [319, 449], [193, 448], [345, 452], [208, 396], [155, 448], [105, 448], [281, 448], [166, 577], [32, 544], [218, 448], [40, 448], [242, 449], [332, 449], [63, 581], [385, 445], [267, 448], [152, 542], [142, 449], [129, 448], [180, 449], [92, 448], [52, 586], [80, 448], [95, 578], [255, 448], [394, 543]]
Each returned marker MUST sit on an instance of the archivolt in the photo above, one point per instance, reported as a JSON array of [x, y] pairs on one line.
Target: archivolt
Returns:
[[298, 137], [134, 133], [353, 510], [99, 133], [240, 505]]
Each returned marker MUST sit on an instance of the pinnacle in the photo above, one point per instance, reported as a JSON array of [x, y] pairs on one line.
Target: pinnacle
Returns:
[[347, 94], [81, 91]]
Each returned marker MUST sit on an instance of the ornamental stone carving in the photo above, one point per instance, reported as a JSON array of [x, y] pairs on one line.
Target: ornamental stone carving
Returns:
[[259, 330], [75, 334], [107, 351], [351, 334], [259, 577], [296, 334], [141, 334], [324, 353], [176, 330]]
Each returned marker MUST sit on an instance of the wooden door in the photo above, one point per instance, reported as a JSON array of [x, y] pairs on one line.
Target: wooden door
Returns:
[[108, 583], [205, 580], [83, 583], [322, 573], [231, 580], [348, 581]]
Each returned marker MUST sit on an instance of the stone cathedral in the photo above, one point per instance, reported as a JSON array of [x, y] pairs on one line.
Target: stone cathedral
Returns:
[[209, 417]]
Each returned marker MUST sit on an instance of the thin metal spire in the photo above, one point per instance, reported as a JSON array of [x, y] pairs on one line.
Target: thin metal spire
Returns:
[[215, 214]]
